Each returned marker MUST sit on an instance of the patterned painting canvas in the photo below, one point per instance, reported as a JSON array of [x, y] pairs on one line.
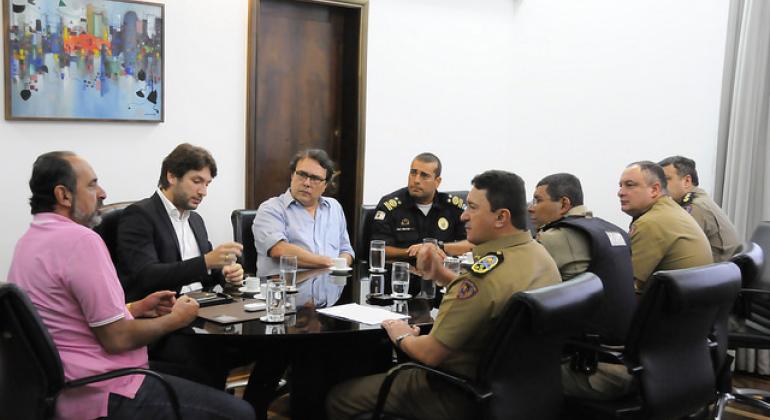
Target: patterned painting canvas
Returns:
[[83, 60]]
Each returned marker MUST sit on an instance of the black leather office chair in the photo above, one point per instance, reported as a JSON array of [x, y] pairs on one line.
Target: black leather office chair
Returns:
[[750, 261], [519, 373], [364, 231], [31, 373], [242, 220], [668, 349], [108, 228]]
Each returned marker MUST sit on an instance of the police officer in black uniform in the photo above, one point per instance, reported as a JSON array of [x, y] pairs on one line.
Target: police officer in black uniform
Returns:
[[406, 216]]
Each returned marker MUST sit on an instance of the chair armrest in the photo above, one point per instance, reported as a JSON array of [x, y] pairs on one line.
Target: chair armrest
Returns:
[[130, 371], [607, 354], [479, 393], [754, 292]]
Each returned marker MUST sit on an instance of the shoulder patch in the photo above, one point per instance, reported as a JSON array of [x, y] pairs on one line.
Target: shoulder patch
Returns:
[[380, 215], [467, 290], [487, 263]]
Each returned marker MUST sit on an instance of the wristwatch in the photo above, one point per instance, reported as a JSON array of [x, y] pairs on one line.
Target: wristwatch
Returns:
[[401, 338]]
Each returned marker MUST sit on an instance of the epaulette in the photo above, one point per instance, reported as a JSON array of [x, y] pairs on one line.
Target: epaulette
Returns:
[[456, 200], [687, 199], [487, 263], [392, 203]]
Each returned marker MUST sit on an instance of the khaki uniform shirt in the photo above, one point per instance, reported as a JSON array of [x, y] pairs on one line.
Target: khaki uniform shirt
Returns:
[[470, 308], [718, 228], [666, 238], [570, 248]]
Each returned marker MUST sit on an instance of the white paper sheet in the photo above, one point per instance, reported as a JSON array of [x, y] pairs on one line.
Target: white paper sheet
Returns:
[[362, 314]]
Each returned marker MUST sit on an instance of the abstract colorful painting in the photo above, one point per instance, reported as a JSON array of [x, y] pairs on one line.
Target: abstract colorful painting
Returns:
[[83, 60]]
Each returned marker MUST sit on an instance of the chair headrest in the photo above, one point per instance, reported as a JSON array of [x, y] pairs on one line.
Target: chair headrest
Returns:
[[566, 306], [700, 286]]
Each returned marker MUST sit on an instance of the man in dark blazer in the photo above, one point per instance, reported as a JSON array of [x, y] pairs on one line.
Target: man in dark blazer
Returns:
[[162, 244], [162, 241]]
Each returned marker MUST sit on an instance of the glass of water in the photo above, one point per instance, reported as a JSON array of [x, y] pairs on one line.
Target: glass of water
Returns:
[[377, 255], [452, 264], [289, 272], [276, 299], [399, 280]]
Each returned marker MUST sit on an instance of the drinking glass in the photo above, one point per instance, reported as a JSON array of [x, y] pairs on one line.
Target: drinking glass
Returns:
[[433, 241], [452, 264], [377, 255], [289, 272], [399, 280], [276, 298]]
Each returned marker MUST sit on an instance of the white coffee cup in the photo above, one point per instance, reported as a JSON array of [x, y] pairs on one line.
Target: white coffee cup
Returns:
[[340, 263], [252, 284]]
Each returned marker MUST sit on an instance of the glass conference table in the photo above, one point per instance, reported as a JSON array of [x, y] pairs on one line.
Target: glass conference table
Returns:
[[317, 289], [319, 350]]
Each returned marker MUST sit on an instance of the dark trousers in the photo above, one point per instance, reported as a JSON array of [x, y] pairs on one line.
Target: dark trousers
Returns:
[[196, 402]]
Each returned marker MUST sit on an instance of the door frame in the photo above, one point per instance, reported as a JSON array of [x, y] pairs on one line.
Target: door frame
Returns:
[[251, 97]]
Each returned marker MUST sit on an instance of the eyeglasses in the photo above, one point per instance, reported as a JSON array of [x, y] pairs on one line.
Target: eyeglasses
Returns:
[[314, 179]]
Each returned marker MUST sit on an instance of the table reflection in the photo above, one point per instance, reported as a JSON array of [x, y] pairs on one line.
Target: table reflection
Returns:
[[322, 288]]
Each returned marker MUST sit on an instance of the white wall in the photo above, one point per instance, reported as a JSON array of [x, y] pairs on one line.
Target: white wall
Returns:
[[538, 87], [530, 86]]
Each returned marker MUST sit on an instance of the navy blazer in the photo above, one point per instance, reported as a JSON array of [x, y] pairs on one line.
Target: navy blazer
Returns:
[[149, 258]]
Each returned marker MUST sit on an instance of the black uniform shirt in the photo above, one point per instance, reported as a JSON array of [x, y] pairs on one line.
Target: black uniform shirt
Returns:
[[400, 223]]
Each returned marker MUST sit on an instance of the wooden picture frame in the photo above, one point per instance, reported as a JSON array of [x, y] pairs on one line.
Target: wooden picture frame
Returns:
[[83, 60]]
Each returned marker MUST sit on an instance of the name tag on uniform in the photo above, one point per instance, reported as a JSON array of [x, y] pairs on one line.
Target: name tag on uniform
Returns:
[[616, 239]]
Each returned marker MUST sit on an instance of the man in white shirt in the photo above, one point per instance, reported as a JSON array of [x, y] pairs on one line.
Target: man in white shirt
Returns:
[[162, 241]]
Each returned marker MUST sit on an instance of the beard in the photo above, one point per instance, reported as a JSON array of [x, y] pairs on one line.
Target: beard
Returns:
[[88, 220], [181, 200]]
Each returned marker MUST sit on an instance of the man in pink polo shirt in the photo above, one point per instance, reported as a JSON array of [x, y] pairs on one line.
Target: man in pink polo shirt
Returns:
[[66, 270]]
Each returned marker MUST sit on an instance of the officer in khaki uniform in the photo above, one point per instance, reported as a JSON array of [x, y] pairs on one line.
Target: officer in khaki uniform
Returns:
[[406, 216], [569, 247], [682, 178], [507, 259], [663, 235], [556, 197]]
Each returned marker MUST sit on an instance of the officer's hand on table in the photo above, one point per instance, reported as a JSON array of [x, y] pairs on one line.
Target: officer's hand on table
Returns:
[[223, 255], [233, 273], [154, 304], [397, 327]]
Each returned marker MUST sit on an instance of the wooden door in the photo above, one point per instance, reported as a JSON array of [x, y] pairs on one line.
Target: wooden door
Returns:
[[306, 90]]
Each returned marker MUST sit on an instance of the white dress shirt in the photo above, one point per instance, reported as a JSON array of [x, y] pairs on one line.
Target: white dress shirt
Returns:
[[188, 246]]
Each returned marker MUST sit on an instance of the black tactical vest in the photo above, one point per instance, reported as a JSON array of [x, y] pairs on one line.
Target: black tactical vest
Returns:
[[611, 261]]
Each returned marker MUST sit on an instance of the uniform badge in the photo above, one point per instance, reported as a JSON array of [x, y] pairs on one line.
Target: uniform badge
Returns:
[[455, 200], [486, 264], [405, 222], [467, 290], [443, 223], [688, 197], [380, 215]]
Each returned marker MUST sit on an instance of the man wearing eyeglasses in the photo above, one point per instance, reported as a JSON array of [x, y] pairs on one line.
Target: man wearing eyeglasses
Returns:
[[406, 216], [301, 221]]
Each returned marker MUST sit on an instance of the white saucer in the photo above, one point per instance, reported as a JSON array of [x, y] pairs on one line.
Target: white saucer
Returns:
[[340, 270], [243, 289], [405, 297], [264, 319]]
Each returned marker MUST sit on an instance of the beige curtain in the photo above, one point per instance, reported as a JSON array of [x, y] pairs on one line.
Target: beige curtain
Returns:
[[742, 183]]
